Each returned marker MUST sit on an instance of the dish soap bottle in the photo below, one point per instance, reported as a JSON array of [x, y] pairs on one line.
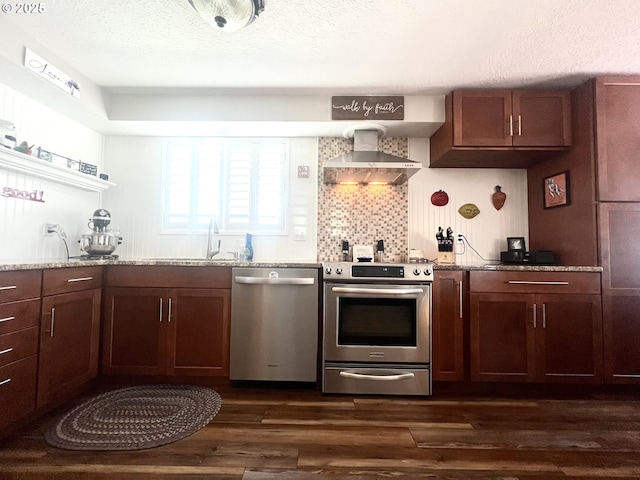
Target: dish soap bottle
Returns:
[[248, 248]]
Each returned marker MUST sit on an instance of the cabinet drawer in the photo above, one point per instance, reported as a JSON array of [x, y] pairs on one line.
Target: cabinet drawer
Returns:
[[19, 285], [64, 280], [534, 282], [18, 315], [17, 345], [160, 276], [17, 389]]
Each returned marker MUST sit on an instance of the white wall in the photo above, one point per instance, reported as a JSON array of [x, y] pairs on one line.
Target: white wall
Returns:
[[41, 126], [487, 231], [136, 205], [133, 163], [22, 221]]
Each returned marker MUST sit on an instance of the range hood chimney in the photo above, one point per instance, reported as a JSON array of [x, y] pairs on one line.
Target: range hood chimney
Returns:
[[366, 164]]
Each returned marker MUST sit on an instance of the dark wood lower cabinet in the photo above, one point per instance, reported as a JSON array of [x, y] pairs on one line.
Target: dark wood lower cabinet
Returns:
[[69, 344], [134, 337], [160, 331], [621, 338], [536, 338], [18, 389], [199, 335], [570, 339], [448, 325], [502, 343]]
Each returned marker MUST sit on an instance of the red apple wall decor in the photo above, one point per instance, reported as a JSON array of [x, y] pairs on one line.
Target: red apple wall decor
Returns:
[[440, 198]]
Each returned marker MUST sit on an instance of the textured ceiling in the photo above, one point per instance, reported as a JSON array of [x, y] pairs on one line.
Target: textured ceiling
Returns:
[[408, 47]]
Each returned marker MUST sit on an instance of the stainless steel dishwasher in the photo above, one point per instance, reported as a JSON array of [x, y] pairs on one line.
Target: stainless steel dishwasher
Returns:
[[274, 324]]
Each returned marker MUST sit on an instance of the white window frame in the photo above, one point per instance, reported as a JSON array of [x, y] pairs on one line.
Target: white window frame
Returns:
[[255, 145]]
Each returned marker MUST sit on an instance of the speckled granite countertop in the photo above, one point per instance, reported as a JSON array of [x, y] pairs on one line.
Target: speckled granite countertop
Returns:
[[521, 268], [174, 262], [193, 262]]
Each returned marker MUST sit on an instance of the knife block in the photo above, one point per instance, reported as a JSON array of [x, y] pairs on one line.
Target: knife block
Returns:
[[447, 258]]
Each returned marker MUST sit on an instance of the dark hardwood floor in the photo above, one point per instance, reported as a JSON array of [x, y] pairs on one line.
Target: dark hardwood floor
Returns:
[[284, 433]]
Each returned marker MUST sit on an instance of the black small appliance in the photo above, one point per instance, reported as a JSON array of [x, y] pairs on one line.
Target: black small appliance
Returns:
[[517, 253]]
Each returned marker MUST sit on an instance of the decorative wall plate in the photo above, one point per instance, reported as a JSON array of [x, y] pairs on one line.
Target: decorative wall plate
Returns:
[[468, 210], [440, 198], [498, 198]]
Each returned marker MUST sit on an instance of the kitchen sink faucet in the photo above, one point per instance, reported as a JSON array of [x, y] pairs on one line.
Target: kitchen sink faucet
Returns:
[[213, 230]]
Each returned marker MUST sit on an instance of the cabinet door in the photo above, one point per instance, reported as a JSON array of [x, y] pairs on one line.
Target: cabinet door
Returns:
[[482, 118], [17, 390], [541, 118], [618, 138], [447, 326], [199, 332], [69, 342], [619, 227], [621, 315], [502, 337], [569, 330], [135, 335]]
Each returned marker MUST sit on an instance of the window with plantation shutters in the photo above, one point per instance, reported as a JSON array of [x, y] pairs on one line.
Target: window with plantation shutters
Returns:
[[242, 183]]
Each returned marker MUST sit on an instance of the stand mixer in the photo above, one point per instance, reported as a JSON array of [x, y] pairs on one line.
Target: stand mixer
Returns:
[[102, 242]]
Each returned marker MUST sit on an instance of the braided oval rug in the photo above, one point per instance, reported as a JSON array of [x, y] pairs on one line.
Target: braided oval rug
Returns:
[[135, 418]]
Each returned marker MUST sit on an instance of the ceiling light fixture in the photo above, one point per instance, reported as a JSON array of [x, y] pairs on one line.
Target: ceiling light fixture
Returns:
[[228, 15]]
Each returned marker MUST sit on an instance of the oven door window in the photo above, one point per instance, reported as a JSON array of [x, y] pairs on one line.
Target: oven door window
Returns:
[[377, 322]]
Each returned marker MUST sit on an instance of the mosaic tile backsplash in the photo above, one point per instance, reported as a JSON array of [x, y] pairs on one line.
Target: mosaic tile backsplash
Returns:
[[362, 214]]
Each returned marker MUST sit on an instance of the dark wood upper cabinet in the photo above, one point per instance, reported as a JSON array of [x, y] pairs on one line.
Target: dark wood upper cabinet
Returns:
[[502, 128], [481, 118], [617, 102]]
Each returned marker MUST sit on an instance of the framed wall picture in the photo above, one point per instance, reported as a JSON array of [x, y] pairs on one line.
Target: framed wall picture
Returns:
[[556, 192]]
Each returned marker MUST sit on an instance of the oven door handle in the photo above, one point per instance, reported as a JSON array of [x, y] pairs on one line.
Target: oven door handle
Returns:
[[379, 291], [379, 378]]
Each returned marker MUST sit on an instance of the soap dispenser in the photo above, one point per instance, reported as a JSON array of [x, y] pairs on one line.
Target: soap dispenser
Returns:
[[248, 248]]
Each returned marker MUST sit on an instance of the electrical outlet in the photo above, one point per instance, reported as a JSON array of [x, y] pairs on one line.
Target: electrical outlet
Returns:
[[50, 229], [300, 234], [460, 237]]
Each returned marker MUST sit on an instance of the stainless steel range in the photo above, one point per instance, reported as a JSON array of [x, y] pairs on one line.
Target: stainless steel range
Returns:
[[377, 328]]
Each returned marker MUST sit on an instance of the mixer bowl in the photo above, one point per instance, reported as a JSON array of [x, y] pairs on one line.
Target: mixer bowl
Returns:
[[99, 243]]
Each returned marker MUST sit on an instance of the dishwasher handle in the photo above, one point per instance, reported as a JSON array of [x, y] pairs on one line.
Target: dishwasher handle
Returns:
[[275, 281]]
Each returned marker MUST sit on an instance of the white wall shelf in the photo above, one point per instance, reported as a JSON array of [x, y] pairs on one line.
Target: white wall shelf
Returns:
[[20, 162]]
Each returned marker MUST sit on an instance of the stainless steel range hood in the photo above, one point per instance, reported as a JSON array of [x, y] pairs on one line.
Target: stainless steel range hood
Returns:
[[366, 164]]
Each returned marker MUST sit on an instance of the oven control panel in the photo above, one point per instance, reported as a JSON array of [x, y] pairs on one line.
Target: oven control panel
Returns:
[[391, 272]]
